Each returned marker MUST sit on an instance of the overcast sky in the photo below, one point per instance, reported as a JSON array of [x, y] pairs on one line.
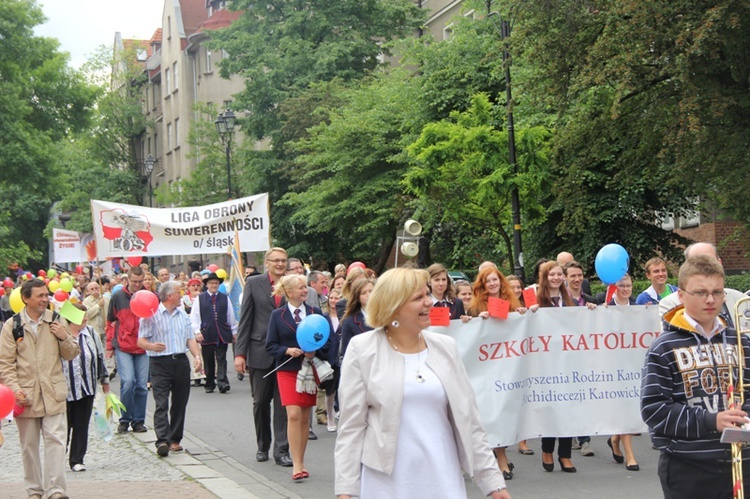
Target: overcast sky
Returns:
[[82, 26]]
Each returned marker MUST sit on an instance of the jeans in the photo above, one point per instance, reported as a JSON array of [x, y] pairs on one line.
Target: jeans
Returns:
[[133, 369]]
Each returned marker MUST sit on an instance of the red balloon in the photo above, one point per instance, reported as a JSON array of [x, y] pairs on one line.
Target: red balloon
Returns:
[[355, 265], [144, 303], [134, 261], [18, 410], [61, 295], [42, 273], [2, 291], [7, 401], [7, 283], [79, 269], [29, 275], [213, 267]]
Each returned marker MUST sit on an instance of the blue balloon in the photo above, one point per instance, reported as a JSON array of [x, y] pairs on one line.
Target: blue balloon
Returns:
[[612, 263], [223, 288], [117, 288], [205, 272], [313, 332]]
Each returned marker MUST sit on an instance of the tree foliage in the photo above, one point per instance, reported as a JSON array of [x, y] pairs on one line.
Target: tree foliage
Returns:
[[651, 104], [42, 101], [463, 175]]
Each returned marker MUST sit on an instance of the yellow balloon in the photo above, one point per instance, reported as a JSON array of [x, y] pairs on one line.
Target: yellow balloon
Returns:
[[53, 286], [64, 275], [16, 303], [221, 273], [66, 285], [73, 299]]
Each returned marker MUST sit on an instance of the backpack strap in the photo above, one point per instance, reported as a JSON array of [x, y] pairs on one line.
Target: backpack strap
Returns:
[[17, 328]]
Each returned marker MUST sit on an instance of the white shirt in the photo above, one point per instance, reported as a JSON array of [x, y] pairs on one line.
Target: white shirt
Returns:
[[301, 308]]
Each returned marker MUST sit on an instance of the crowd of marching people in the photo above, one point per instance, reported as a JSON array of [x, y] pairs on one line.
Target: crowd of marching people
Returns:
[[376, 374]]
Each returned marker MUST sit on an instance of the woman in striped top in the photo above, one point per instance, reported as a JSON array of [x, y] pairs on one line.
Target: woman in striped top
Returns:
[[81, 375]]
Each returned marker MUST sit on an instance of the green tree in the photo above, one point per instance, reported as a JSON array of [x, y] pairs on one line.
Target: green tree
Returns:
[[42, 101], [352, 165], [462, 174], [651, 103]]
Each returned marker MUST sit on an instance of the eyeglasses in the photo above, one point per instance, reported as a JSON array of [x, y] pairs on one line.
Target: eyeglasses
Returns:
[[278, 261], [703, 294]]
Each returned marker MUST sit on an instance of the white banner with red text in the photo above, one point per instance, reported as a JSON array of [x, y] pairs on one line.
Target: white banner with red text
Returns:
[[559, 372], [69, 246], [123, 230]]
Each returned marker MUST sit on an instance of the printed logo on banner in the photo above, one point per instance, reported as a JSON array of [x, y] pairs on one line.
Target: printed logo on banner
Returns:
[[126, 231]]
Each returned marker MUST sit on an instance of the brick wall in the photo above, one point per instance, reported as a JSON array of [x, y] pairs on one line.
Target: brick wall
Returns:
[[732, 239]]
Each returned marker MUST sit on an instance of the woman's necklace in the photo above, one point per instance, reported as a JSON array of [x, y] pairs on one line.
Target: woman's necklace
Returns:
[[420, 378]]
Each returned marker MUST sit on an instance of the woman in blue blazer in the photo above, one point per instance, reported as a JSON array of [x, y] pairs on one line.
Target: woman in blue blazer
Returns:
[[281, 343], [354, 319]]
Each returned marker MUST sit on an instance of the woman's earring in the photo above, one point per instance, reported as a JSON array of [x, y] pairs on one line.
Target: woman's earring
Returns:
[[395, 324]]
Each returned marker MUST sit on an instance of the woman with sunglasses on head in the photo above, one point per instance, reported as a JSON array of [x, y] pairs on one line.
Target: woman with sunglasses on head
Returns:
[[623, 297]]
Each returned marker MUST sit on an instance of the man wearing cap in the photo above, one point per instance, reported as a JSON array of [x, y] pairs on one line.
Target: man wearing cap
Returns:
[[215, 327]]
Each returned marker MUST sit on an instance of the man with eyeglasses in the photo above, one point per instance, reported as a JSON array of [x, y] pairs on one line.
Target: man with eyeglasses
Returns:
[[132, 362], [732, 295], [251, 356], [685, 388]]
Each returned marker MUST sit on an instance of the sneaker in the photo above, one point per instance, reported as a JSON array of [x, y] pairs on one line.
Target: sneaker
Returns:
[[586, 449], [123, 427], [332, 429], [139, 427], [78, 467], [576, 444]]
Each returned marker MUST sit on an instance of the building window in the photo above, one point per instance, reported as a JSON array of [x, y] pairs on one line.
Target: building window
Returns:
[[174, 74], [209, 65], [169, 28], [176, 132], [167, 81], [149, 145], [169, 136], [154, 90], [156, 145]]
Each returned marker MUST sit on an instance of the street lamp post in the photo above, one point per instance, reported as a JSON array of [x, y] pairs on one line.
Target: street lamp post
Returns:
[[148, 169], [225, 126], [514, 198]]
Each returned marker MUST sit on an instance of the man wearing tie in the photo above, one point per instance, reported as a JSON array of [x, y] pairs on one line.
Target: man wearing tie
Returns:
[[251, 356], [215, 328]]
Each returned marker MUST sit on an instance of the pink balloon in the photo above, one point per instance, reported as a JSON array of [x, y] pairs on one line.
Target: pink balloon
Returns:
[[213, 267], [42, 273], [356, 265], [7, 401], [144, 304]]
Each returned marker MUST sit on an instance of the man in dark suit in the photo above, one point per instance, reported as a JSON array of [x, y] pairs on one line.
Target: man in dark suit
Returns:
[[251, 356]]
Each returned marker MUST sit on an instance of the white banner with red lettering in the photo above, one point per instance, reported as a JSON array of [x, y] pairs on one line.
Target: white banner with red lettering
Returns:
[[559, 372], [124, 230], [69, 246]]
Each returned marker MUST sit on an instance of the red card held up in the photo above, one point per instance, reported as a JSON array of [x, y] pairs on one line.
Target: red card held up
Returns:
[[497, 307], [440, 316], [529, 297]]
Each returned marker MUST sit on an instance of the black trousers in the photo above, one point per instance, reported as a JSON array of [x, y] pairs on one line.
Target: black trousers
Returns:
[[215, 358], [264, 392], [681, 479], [170, 374], [563, 450], [79, 415]]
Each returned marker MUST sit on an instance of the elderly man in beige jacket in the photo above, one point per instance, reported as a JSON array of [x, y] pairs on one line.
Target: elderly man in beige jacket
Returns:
[[30, 366]]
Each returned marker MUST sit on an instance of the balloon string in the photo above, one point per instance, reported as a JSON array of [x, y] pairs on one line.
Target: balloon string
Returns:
[[278, 367]]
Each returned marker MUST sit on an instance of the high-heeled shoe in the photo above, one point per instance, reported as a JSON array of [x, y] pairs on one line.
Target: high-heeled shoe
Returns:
[[547, 466], [508, 475], [566, 469], [618, 459]]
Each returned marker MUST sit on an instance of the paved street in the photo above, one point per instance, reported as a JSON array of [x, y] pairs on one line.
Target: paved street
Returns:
[[220, 462]]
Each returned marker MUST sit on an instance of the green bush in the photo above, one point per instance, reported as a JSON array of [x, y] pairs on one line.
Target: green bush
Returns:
[[740, 282]]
